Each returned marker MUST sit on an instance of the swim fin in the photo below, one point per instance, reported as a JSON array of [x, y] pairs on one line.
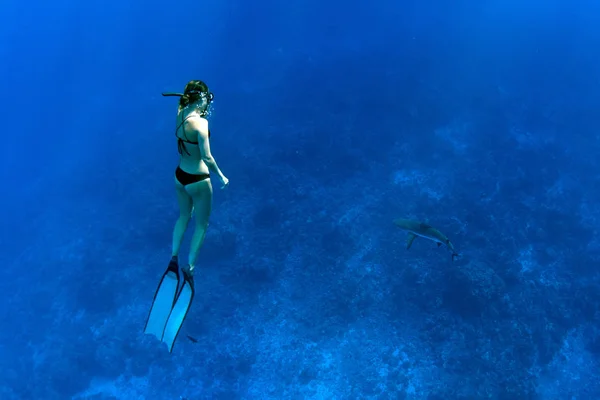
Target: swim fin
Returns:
[[171, 303], [179, 310]]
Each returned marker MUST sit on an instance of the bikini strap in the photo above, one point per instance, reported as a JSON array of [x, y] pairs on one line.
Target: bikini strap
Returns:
[[180, 142]]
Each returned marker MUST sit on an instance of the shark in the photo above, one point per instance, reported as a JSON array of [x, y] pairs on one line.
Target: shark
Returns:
[[420, 229]]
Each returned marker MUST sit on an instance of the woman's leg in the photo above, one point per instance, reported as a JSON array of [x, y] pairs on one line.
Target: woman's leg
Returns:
[[185, 214], [201, 193]]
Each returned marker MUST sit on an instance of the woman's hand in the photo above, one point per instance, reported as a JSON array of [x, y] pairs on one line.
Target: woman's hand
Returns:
[[225, 182]]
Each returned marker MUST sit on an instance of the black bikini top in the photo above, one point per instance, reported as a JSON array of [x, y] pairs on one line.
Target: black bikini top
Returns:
[[181, 141]]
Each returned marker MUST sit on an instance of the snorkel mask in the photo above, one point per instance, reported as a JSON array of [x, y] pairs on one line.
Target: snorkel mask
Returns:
[[206, 97]]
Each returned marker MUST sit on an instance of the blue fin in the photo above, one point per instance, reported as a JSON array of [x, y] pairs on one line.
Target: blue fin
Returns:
[[179, 310], [164, 299]]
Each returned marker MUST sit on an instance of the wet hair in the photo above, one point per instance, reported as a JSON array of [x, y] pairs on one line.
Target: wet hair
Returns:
[[194, 91]]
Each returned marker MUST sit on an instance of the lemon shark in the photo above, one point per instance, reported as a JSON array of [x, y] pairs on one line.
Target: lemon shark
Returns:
[[421, 229]]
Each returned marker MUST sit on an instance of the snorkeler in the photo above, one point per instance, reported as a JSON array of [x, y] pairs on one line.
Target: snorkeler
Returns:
[[193, 186]]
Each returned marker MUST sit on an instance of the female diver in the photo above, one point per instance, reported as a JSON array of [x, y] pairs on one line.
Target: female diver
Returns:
[[194, 194]]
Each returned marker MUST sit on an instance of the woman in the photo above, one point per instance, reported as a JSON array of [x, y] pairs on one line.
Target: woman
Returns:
[[192, 180], [193, 186]]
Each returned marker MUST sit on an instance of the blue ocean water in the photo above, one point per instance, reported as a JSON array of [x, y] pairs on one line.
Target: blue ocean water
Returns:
[[331, 119]]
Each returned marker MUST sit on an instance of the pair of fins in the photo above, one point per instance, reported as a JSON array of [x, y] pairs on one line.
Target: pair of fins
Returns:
[[171, 304]]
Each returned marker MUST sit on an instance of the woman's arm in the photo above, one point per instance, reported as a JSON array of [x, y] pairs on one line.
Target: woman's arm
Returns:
[[200, 127]]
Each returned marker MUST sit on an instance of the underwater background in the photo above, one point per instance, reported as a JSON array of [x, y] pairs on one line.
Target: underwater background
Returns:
[[331, 119]]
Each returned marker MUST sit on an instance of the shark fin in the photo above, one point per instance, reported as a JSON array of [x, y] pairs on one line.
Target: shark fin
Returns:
[[410, 239]]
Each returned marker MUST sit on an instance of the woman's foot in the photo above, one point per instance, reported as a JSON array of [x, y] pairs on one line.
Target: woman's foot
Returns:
[[189, 270]]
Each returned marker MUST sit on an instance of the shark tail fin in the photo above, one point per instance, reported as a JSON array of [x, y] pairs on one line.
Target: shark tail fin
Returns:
[[410, 239]]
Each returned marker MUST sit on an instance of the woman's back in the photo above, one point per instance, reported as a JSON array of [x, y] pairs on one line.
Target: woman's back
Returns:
[[187, 144]]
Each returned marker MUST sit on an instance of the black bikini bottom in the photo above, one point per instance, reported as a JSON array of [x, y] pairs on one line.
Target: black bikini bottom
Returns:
[[185, 179]]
